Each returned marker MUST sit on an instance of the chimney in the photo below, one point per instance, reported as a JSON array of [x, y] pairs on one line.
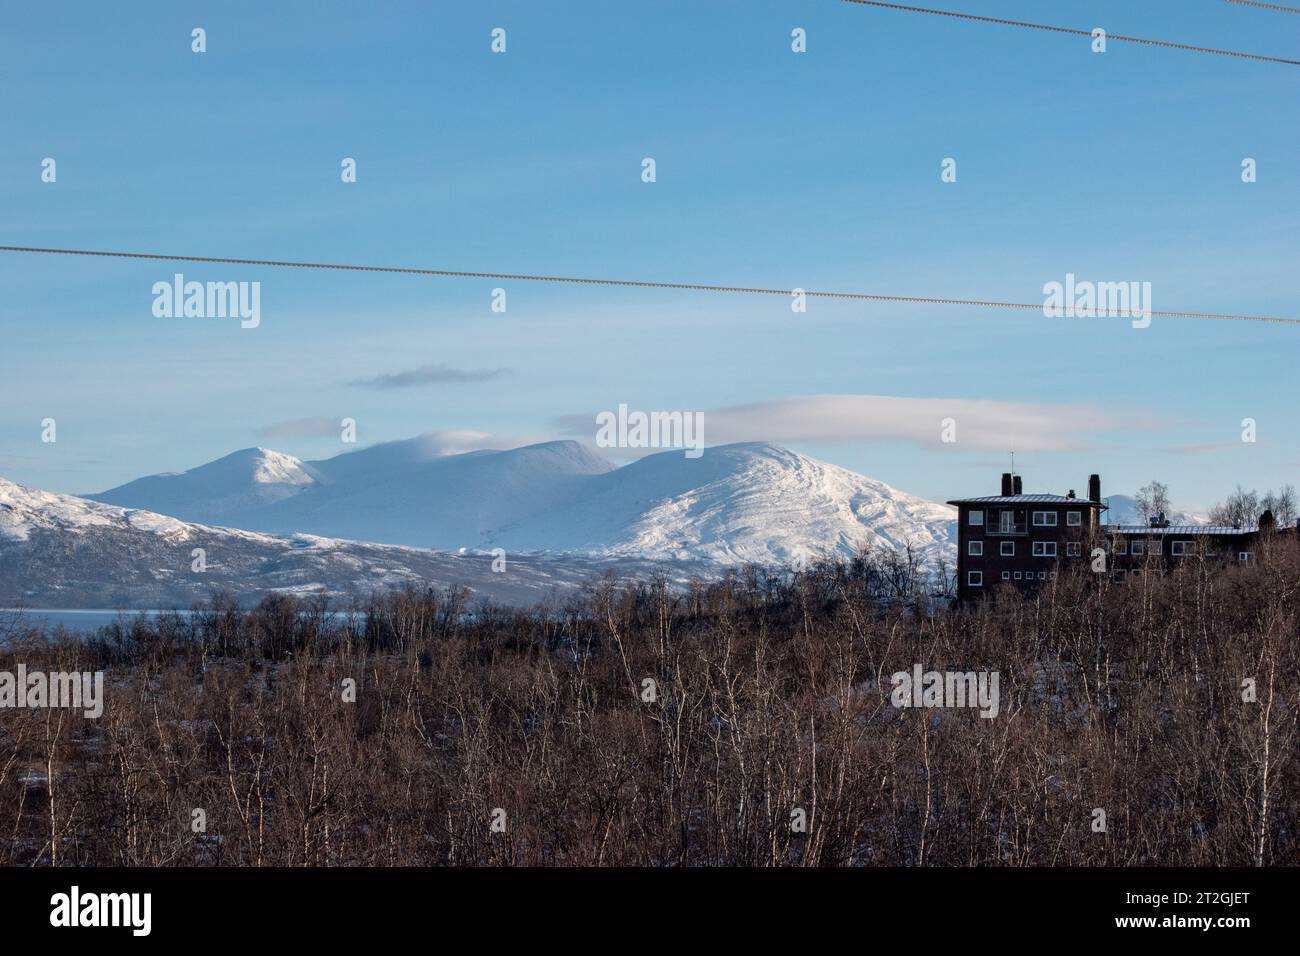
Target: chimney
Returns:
[[1016, 487], [1267, 522], [1071, 494], [1094, 487], [1006, 484]]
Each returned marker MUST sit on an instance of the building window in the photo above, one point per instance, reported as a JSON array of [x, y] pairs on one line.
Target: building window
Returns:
[[1004, 522], [1243, 556], [1121, 546], [975, 578], [1181, 548], [1074, 518], [1042, 575], [1045, 519], [1072, 549], [975, 549], [1017, 575], [976, 518], [1006, 575], [1044, 549], [1139, 547], [1008, 549]]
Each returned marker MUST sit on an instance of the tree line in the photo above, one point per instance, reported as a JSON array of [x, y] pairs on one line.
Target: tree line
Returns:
[[742, 721]]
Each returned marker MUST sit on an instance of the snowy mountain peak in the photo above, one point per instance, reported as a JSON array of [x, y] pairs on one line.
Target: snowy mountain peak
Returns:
[[246, 479], [751, 501], [744, 502], [273, 467]]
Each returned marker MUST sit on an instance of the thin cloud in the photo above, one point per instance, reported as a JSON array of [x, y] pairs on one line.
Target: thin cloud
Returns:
[[1204, 448], [320, 427], [458, 441], [977, 424], [431, 375], [434, 444]]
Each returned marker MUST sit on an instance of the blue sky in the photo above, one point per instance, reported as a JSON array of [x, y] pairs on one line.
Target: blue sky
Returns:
[[818, 170]]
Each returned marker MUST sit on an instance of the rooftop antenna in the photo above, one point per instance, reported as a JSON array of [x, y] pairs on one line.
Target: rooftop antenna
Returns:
[[1013, 463]]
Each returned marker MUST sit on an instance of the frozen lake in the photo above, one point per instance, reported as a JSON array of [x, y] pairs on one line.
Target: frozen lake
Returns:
[[73, 619]]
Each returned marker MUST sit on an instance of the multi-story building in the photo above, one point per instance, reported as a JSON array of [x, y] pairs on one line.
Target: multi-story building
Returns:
[[1022, 540]]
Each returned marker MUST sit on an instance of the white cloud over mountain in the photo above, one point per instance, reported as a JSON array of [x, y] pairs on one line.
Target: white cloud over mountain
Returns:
[[979, 424]]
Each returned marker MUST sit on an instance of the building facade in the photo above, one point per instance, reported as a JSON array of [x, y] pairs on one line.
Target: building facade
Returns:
[[1023, 540]]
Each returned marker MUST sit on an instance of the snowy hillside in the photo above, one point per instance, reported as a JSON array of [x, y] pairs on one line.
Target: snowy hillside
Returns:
[[239, 482], [736, 503], [1124, 510], [448, 502], [63, 551]]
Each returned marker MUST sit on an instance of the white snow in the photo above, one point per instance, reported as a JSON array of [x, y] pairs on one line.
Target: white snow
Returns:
[[213, 493], [736, 503], [24, 510], [275, 468], [1123, 510]]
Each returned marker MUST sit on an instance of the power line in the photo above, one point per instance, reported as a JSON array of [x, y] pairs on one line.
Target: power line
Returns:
[[627, 283], [1266, 6], [1074, 32]]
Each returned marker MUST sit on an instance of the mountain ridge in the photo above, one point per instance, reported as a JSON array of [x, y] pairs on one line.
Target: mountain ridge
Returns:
[[62, 551], [744, 502]]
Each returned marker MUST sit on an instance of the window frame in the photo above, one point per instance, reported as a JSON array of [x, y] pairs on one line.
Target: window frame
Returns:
[[971, 521], [1074, 519], [1035, 523], [1007, 549], [975, 579], [1039, 549], [972, 545]]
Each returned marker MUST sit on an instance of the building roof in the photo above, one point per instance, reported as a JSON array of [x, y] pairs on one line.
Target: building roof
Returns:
[[1178, 529], [1026, 500]]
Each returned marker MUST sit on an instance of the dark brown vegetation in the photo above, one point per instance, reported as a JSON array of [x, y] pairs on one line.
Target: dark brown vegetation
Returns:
[[772, 698]]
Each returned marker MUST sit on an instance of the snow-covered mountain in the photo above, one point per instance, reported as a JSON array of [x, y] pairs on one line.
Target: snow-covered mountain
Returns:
[[736, 503], [1124, 510], [63, 551], [241, 481], [396, 493]]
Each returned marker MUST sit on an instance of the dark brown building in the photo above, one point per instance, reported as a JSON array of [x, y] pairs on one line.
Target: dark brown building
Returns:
[[1159, 546], [1019, 539]]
